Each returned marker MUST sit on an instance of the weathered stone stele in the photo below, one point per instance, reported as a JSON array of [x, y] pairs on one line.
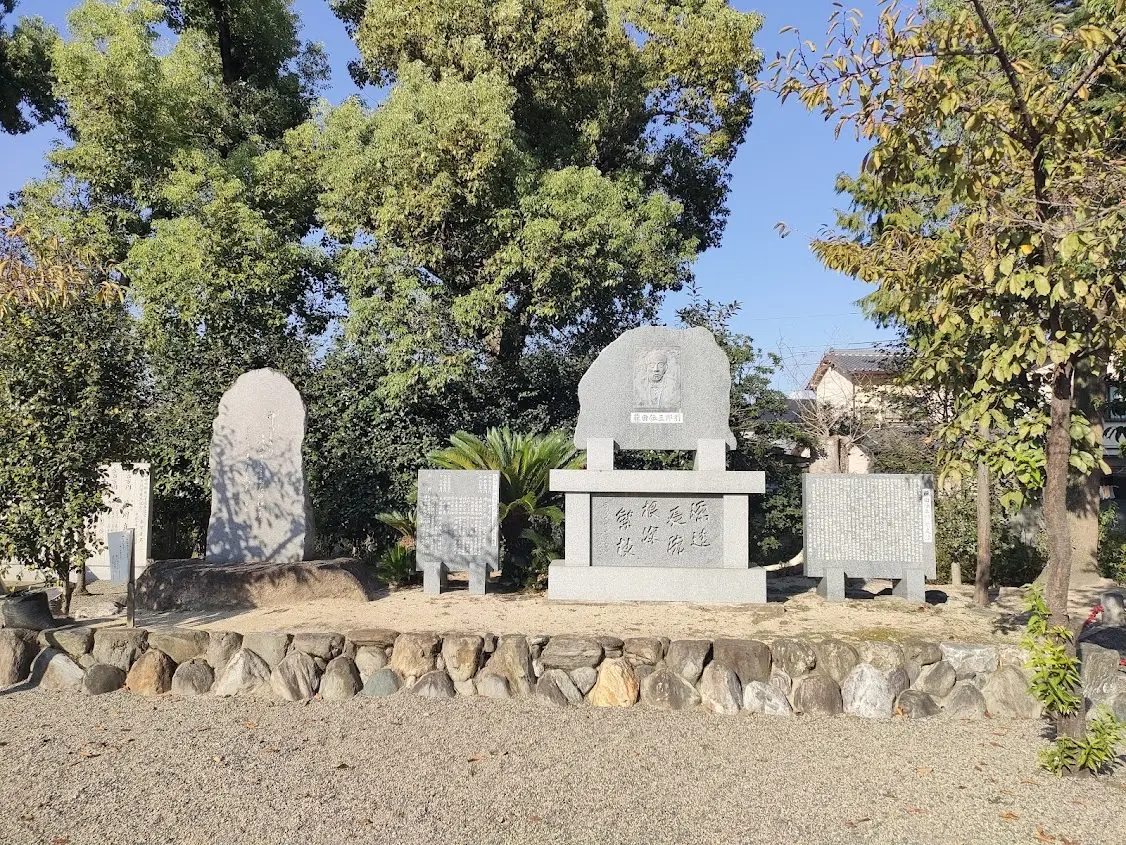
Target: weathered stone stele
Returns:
[[680, 392], [458, 529], [259, 504]]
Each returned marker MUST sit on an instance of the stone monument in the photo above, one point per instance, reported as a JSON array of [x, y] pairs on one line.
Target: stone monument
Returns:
[[869, 526], [259, 505], [129, 500], [660, 535], [457, 526]]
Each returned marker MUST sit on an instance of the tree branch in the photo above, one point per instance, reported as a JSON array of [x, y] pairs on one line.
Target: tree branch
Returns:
[[1100, 60], [1010, 74]]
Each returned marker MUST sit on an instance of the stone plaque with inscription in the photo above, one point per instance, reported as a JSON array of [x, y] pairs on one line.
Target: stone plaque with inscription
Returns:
[[869, 526], [457, 526], [658, 530], [129, 499], [259, 506]]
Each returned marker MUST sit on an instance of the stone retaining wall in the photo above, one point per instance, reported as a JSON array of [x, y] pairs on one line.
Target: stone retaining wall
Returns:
[[784, 677]]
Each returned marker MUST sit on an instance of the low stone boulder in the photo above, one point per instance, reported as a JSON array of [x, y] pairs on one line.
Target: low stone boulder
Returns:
[[415, 654], [766, 699], [720, 690], [53, 670], [512, 659], [571, 653], [181, 644], [375, 637], [325, 645], [748, 659], [271, 646], [556, 689], [899, 681], [436, 684], [195, 677], [780, 681], [221, 647], [616, 686], [887, 657], [666, 689], [969, 660], [151, 674], [462, 655], [101, 679], [369, 660], [866, 693], [936, 680], [584, 678], [643, 650], [1006, 694], [794, 657], [915, 704], [611, 646], [382, 683], [296, 678], [492, 685], [1098, 672], [73, 641], [687, 658], [921, 652], [119, 646], [17, 651], [835, 658], [246, 673], [965, 701], [341, 680], [817, 695]]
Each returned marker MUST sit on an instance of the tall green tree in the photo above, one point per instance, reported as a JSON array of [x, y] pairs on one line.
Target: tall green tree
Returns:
[[70, 397], [181, 176], [539, 175], [1019, 285], [25, 72]]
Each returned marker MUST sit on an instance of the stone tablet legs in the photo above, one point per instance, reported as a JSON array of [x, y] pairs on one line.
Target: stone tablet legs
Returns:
[[832, 585], [477, 578], [434, 580], [912, 586]]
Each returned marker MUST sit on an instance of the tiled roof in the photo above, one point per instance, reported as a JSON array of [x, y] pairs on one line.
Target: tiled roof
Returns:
[[869, 360]]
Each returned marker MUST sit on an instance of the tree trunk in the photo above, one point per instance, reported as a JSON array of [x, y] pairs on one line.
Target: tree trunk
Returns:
[[984, 535], [80, 582], [227, 58], [1058, 576], [1085, 495]]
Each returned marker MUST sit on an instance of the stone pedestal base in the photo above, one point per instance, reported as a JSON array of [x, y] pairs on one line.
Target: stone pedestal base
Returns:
[[912, 586], [656, 583]]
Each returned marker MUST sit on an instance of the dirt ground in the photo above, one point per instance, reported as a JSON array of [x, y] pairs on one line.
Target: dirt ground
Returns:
[[794, 609]]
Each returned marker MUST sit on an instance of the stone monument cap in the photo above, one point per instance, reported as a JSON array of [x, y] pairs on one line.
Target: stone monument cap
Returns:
[[657, 388]]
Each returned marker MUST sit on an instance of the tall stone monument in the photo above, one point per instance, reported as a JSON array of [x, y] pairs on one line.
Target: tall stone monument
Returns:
[[657, 535], [458, 527], [869, 526], [259, 504]]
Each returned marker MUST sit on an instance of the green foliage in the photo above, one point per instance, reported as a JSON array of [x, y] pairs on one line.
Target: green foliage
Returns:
[[1055, 678], [25, 72], [1013, 562], [525, 462], [1095, 752], [403, 524], [988, 215], [67, 406], [1112, 545], [396, 566], [536, 175]]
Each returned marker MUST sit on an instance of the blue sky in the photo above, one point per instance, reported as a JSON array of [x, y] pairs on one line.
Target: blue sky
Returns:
[[784, 172]]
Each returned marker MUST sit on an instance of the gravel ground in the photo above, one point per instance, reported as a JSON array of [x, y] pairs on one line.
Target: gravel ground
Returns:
[[122, 769]]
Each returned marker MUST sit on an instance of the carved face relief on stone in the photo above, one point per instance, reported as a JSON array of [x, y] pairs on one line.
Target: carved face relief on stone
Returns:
[[656, 382]]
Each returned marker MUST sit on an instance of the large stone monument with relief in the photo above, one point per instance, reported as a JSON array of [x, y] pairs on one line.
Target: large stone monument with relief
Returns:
[[660, 535], [869, 526], [259, 505]]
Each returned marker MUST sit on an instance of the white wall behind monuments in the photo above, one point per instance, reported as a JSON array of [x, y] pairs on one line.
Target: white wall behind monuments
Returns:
[[130, 501]]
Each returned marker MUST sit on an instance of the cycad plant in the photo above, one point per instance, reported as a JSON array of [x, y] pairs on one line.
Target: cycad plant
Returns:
[[525, 462]]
